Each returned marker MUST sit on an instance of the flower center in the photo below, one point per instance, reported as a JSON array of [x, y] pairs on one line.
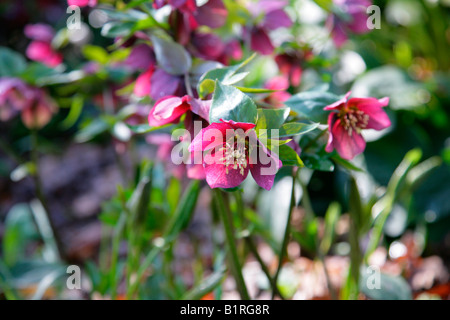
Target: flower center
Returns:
[[353, 120], [235, 154]]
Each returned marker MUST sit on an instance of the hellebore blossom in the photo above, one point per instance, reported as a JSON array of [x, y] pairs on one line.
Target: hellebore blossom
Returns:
[[40, 49], [35, 106], [348, 118], [356, 20], [188, 17], [170, 109], [231, 150], [274, 18]]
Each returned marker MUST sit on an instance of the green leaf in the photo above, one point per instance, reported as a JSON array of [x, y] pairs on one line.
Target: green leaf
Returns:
[[92, 130], [230, 103], [19, 229], [75, 111], [256, 90], [184, 211], [11, 63], [345, 163], [296, 128], [226, 75], [95, 53], [289, 157], [271, 118], [331, 219], [145, 128], [117, 29], [206, 286], [309, 105], [171, 56], [380, 286], [317, 162]]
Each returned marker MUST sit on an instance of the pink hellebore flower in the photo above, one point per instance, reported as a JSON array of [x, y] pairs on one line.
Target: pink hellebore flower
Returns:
[[35, 106], [40, 49], [82, 3], [276, 99], [347, 120], [356, 21], [274, 17], [232, 150], [170, 109]]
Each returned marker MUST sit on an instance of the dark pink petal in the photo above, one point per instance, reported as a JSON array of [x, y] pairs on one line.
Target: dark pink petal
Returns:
[[164, 84], [196, 171], [217, 177], [53, 60], [339, 34], [39, 50], [201, 108], [39, 31], [338, 104], [378, 119], [233, 49], [359, 22], [141, 57], [264, 172], [239, 125], [143, 85], [82, 3], [213, 14], [208, 138], [208, 46], [276, 19], [260, 41], [348, 146], [167, 110]]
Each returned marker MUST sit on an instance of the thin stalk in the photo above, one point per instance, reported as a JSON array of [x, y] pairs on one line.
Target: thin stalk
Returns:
[[187, 84], [225, 215], [287, 233], [40, 194], [249, 241]]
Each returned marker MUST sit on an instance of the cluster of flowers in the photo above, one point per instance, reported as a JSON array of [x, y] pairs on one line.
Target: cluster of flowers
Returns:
[[192, 26]]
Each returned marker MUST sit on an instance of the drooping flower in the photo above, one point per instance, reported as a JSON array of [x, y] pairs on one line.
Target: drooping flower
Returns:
[[35, 106], [291, 63], [348, 118], [352, 20], [40, 49], [232, 149], [170, 109], [274, 17]]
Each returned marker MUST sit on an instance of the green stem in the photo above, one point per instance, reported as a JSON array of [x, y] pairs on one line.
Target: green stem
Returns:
[[252, 246], [225, 215], [287, 233], [40, 194]]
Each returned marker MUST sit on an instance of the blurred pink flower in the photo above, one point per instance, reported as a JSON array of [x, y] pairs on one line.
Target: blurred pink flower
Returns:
[[348, 118], [274, 17], [276, 99], [353, 20], [82, 3], [40, 49], [35, 106], [229, 158]]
